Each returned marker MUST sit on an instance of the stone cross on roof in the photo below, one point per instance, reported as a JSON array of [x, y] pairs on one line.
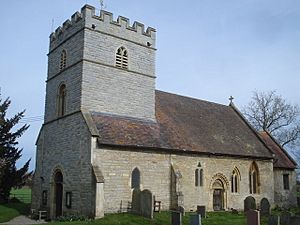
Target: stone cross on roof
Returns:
[[231, 99]]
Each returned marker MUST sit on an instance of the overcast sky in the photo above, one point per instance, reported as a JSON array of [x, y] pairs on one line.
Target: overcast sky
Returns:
[[208, 49]]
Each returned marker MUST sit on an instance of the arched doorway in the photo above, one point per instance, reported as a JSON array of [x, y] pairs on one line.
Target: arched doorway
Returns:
[[218, 195], [58, 179]]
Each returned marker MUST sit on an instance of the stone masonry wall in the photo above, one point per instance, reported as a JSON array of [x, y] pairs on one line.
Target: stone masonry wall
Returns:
[[155, 168], [285, 198], [108, 89], [111, 90], [65, 145]]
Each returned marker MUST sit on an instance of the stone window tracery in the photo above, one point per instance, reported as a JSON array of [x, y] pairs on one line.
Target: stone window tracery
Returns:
[[254, 179], [199, 177], [235, 180]]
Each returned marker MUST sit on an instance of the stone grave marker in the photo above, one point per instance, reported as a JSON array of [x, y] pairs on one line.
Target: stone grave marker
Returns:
[[146, 204], [201, 210], [195, 219], [265, 207], [136, 201], [285, 218], [295, 220], [176, 218], [253, 217], [249, 203], [274, 220]]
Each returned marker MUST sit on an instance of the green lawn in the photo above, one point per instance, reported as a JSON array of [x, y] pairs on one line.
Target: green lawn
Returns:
[[163, 218], [11, 210]]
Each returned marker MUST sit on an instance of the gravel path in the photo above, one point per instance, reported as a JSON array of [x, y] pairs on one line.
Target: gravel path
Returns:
[[20, 220]]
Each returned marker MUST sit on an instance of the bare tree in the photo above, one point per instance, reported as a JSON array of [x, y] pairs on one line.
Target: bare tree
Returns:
[[270, 112]]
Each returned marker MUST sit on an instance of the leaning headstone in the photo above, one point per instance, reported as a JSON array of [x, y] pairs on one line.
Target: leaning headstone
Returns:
[[136, 201], [274, 220], [253, 217], [265, 207], [295, 220], [146, 203], [195, 219], [285, 218], [181, 210], [201, 210], [176, 218], [249, 203]]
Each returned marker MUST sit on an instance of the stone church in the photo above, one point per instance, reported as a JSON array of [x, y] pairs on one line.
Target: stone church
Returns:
[[107, 131]]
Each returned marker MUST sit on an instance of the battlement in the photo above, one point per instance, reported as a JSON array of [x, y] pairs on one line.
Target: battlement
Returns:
[[104, 22]]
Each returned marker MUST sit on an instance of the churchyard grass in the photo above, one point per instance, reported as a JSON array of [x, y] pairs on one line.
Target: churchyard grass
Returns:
[[11, 210], [163, 218]]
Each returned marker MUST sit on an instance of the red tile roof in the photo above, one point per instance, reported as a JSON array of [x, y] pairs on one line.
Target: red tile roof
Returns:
[[282, 158], [184, 124]]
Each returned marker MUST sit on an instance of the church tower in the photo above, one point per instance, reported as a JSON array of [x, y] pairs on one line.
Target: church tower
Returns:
[[97, 64]]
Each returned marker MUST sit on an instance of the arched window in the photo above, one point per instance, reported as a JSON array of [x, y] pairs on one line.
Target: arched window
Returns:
[[135, 178], [254, 179], [235, 180], [63, 60], [62, 100], [122, 58], [199, 177]]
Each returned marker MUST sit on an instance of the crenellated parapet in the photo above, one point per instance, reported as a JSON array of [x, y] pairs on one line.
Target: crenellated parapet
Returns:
[[87, 18]]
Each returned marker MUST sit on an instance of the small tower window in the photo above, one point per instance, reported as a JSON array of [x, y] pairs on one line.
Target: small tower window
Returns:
[[62, 100], [63, 60], [122, 58]]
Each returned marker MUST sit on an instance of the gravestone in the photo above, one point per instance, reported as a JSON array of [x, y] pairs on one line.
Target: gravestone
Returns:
[[253, 217], [295, 220], [195, 219], [265, 207], [181, 210], [146, 204], [136, 201], [176, 218], [274, 220], [201, 210], [298, 201], [249, 203], [285, 218]]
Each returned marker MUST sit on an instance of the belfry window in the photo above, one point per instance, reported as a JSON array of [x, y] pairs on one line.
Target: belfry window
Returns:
[[254, 179], [63, 60], [62, 100], [122, 58]]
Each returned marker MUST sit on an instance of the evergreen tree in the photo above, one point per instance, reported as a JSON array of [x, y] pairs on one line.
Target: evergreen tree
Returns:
[[10, 176]]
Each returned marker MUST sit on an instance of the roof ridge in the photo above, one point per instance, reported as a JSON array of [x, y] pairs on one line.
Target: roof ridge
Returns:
[[191, 98]]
